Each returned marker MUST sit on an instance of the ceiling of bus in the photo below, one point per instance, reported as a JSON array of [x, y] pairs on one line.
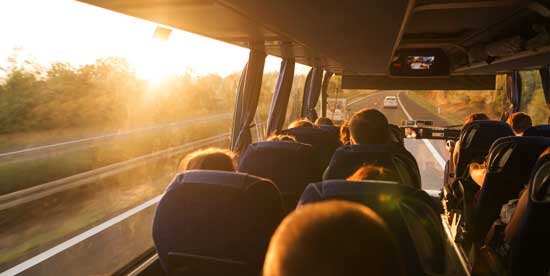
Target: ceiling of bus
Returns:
[[350, 37]]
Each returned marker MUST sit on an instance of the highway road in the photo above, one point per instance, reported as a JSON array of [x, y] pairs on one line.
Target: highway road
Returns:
[[104, 247]]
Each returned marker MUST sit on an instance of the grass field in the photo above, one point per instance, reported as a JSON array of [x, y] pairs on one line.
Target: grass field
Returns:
[[41, 168]]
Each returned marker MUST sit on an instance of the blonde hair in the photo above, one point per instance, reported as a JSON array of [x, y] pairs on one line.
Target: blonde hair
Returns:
[[371, 172], [301, 123], [209, 159], [281, 137]]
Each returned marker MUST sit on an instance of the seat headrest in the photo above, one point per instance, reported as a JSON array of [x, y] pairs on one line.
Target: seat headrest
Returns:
[[348, 158], [540, 181], [402, 208], [479, 135], [217, 214], [364, 192], [267, 146], [541, 130], [290, 165], [526, 149]]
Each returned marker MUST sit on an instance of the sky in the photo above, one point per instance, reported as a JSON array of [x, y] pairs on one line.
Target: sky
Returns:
[[48, 31]]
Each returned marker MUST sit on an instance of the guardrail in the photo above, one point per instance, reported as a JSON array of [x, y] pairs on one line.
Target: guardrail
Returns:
[[37, 192], [184, 123]]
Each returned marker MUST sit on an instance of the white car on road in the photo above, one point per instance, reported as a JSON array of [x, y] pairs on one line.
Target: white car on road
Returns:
[[390, 102]]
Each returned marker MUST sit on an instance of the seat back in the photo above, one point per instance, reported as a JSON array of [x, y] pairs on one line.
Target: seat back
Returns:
[[323, 141], [291, 166], [529, 247], [411, 214], [542, 130], [218, 218], [348, 158], [396, 134], [476, 139], [509, 165]]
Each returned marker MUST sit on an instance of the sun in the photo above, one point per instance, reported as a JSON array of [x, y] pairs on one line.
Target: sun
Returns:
[[154, 60]]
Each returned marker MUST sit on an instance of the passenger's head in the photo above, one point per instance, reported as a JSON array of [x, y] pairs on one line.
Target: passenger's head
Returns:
[[281, 137], [519, 122], [476, 117], [371, 172], [323, 121], [369, 126], [301, 123], [344, 132], [333, 238], [209, 159]]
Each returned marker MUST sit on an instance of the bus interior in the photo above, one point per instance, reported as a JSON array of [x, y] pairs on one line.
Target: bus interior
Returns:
[[495, 53]]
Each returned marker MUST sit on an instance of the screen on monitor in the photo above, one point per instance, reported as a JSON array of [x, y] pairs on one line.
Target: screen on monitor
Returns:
[[420, 62]]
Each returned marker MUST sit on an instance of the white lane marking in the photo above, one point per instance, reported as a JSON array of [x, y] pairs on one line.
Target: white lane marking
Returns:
[[77, 239], [440, 160]]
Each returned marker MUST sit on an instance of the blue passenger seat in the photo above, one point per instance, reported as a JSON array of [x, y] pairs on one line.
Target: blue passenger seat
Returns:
[[348, 158], [541, 130], [529, 247], [290, 165], [411, 214], [509, 165], [323, 141], [475, 140], [216, 223]]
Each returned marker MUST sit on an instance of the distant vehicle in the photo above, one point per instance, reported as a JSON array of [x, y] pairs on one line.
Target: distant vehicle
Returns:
[[390, 102], [336, 109]]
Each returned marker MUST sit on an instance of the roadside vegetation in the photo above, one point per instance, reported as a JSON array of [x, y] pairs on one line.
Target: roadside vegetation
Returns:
[[454, 106]]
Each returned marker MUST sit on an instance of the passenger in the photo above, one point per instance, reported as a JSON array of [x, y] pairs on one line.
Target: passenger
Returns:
[[344, 133], [472, 118], [281, 137], [301, 123], [370, 172], [333, 238], [323, 121], [519, 122], [476, 117], [369, 126], [209, 159]]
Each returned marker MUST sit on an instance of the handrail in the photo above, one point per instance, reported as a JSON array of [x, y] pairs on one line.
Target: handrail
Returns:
[[26, 195]]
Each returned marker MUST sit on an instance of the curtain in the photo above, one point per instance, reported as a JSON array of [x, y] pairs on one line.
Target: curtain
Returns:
[[279, 103], [311, 95], [248, 95]]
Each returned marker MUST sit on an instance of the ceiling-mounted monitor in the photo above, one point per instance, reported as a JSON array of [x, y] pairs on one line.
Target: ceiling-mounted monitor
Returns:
[[420, 63]]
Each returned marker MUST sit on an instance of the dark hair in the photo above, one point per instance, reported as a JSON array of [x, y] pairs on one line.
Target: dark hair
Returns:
[[344, 132], [369, 126], [371, 172], [301, 123], [476, 117], [333, 238], [209, 159], [323, 121], [281, 137], [519, 122]]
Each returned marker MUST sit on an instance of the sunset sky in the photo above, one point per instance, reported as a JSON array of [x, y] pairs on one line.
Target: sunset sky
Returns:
[[69, 31]]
